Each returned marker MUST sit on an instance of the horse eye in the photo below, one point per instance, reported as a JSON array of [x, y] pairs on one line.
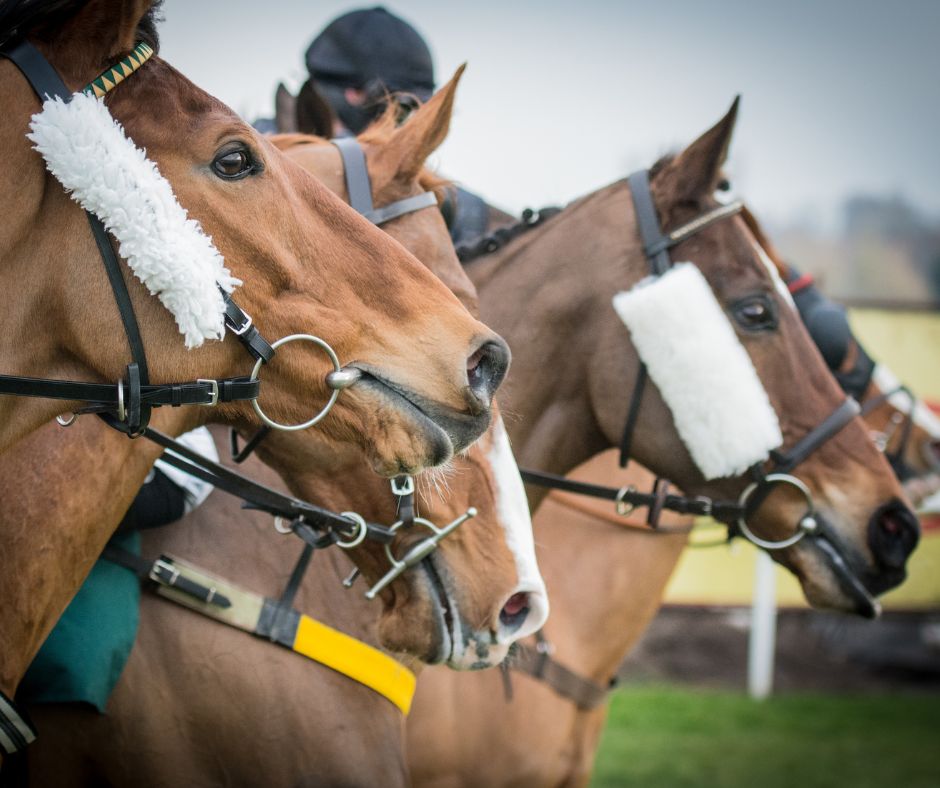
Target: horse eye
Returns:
[[755, 313], [233, 164]]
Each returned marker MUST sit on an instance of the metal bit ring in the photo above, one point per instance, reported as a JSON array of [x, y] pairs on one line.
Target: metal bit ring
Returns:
[[806, 525], [324, 346]]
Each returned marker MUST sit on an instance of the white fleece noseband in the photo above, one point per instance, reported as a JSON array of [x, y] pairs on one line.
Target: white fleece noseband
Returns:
[[90, 155], [703, 372]]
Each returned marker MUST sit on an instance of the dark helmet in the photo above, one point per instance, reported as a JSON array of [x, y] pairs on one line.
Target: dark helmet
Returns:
[[371, 50]]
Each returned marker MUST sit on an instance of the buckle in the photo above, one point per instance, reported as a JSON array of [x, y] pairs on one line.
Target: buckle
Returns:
[[243, 328], [159, 571], [213, 392], [406, 487]]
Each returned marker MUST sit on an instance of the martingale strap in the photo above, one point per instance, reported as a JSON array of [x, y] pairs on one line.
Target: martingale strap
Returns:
[[267, 618], [133, 399], [539, 663]]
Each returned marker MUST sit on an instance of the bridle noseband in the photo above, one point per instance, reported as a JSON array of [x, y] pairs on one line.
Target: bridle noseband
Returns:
[[734, 514]]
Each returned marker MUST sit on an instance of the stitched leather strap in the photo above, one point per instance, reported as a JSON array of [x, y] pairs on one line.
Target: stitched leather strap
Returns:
[[358, 184], [163, 572], [540, 664], [42, 77], [241, 325], [153, 395]]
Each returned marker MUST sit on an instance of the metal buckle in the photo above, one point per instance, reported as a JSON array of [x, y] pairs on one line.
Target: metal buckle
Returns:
[[706, 504], [244, 327], [807, 523], [407, 487], [159, 566], [624, 508], [417, 552], [121, 412], [213, 392], [66, 421]]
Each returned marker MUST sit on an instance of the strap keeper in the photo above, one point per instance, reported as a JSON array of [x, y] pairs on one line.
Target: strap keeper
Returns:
[[660, 489]]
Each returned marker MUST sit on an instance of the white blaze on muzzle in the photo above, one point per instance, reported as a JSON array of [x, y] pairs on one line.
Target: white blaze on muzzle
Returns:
[[702, 371], [90, 155]]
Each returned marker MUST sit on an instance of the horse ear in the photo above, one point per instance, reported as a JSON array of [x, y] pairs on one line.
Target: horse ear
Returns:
[[695, 172], [423, 132], [313, 113], [285, 110]]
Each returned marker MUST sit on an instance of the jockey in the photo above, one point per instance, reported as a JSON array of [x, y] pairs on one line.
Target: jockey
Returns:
[[360, 59]]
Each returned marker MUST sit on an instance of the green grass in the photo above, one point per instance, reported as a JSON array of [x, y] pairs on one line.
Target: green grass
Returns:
[[675, 738]]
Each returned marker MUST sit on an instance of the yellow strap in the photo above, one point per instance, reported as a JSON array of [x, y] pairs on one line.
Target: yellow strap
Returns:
[[355, 659]]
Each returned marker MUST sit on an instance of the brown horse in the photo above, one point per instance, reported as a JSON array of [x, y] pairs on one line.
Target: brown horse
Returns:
[[480, 566], [902, 425], [308, 263], [579, 410], [80, 503]]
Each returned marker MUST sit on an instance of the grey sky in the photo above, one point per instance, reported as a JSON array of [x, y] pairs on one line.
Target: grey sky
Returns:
[[839, 96]]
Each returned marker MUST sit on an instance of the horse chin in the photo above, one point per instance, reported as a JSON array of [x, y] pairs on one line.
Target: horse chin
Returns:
[[426, 622], [829, 580]]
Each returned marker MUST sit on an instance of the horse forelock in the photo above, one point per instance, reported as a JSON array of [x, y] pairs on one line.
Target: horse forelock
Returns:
[[44, 18]]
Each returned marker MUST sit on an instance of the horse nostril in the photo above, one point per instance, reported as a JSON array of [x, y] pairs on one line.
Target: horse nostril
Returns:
[[486, 369], [515, 610], [893, 535]]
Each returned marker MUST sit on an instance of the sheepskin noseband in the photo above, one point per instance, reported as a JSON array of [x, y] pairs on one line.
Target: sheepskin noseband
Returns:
[[87, 151], [703, 372]]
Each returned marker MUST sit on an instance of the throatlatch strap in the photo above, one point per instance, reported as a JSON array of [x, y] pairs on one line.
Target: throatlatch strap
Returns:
[[626, 438]]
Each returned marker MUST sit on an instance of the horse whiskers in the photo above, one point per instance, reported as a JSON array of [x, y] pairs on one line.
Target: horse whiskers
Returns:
[[437, 480]]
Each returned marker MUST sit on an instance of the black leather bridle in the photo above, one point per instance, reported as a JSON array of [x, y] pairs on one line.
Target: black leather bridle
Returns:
[[130, 401], [734, 514]]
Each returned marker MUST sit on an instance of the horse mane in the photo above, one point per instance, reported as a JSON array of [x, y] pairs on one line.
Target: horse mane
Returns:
[[43, 18]]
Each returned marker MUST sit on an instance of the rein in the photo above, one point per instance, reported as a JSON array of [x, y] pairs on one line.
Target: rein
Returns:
[[131, 400]]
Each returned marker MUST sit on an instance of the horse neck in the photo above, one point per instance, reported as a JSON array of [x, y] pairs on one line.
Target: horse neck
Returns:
[[242, 546], [605, 579], [589, 248], [80, 483]]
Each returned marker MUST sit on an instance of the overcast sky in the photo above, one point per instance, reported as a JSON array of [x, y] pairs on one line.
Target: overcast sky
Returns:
[[838, 96]]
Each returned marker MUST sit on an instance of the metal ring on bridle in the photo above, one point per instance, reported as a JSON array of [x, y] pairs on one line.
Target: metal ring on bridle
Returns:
[[360, 536], [333, 397], [806, 525], [281, 528], [66, 421], [624, 508]]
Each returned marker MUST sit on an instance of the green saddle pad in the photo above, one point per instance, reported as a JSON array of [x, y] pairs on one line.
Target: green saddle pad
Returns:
[[84, 655]]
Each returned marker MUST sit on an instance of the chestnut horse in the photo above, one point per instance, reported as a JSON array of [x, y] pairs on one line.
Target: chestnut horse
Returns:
[[572, 412], [308, 263], [79, 502], [902, 425], [461, 619]]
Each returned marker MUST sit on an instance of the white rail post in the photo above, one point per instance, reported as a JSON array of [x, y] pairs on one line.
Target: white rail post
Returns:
[[763, 636]]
